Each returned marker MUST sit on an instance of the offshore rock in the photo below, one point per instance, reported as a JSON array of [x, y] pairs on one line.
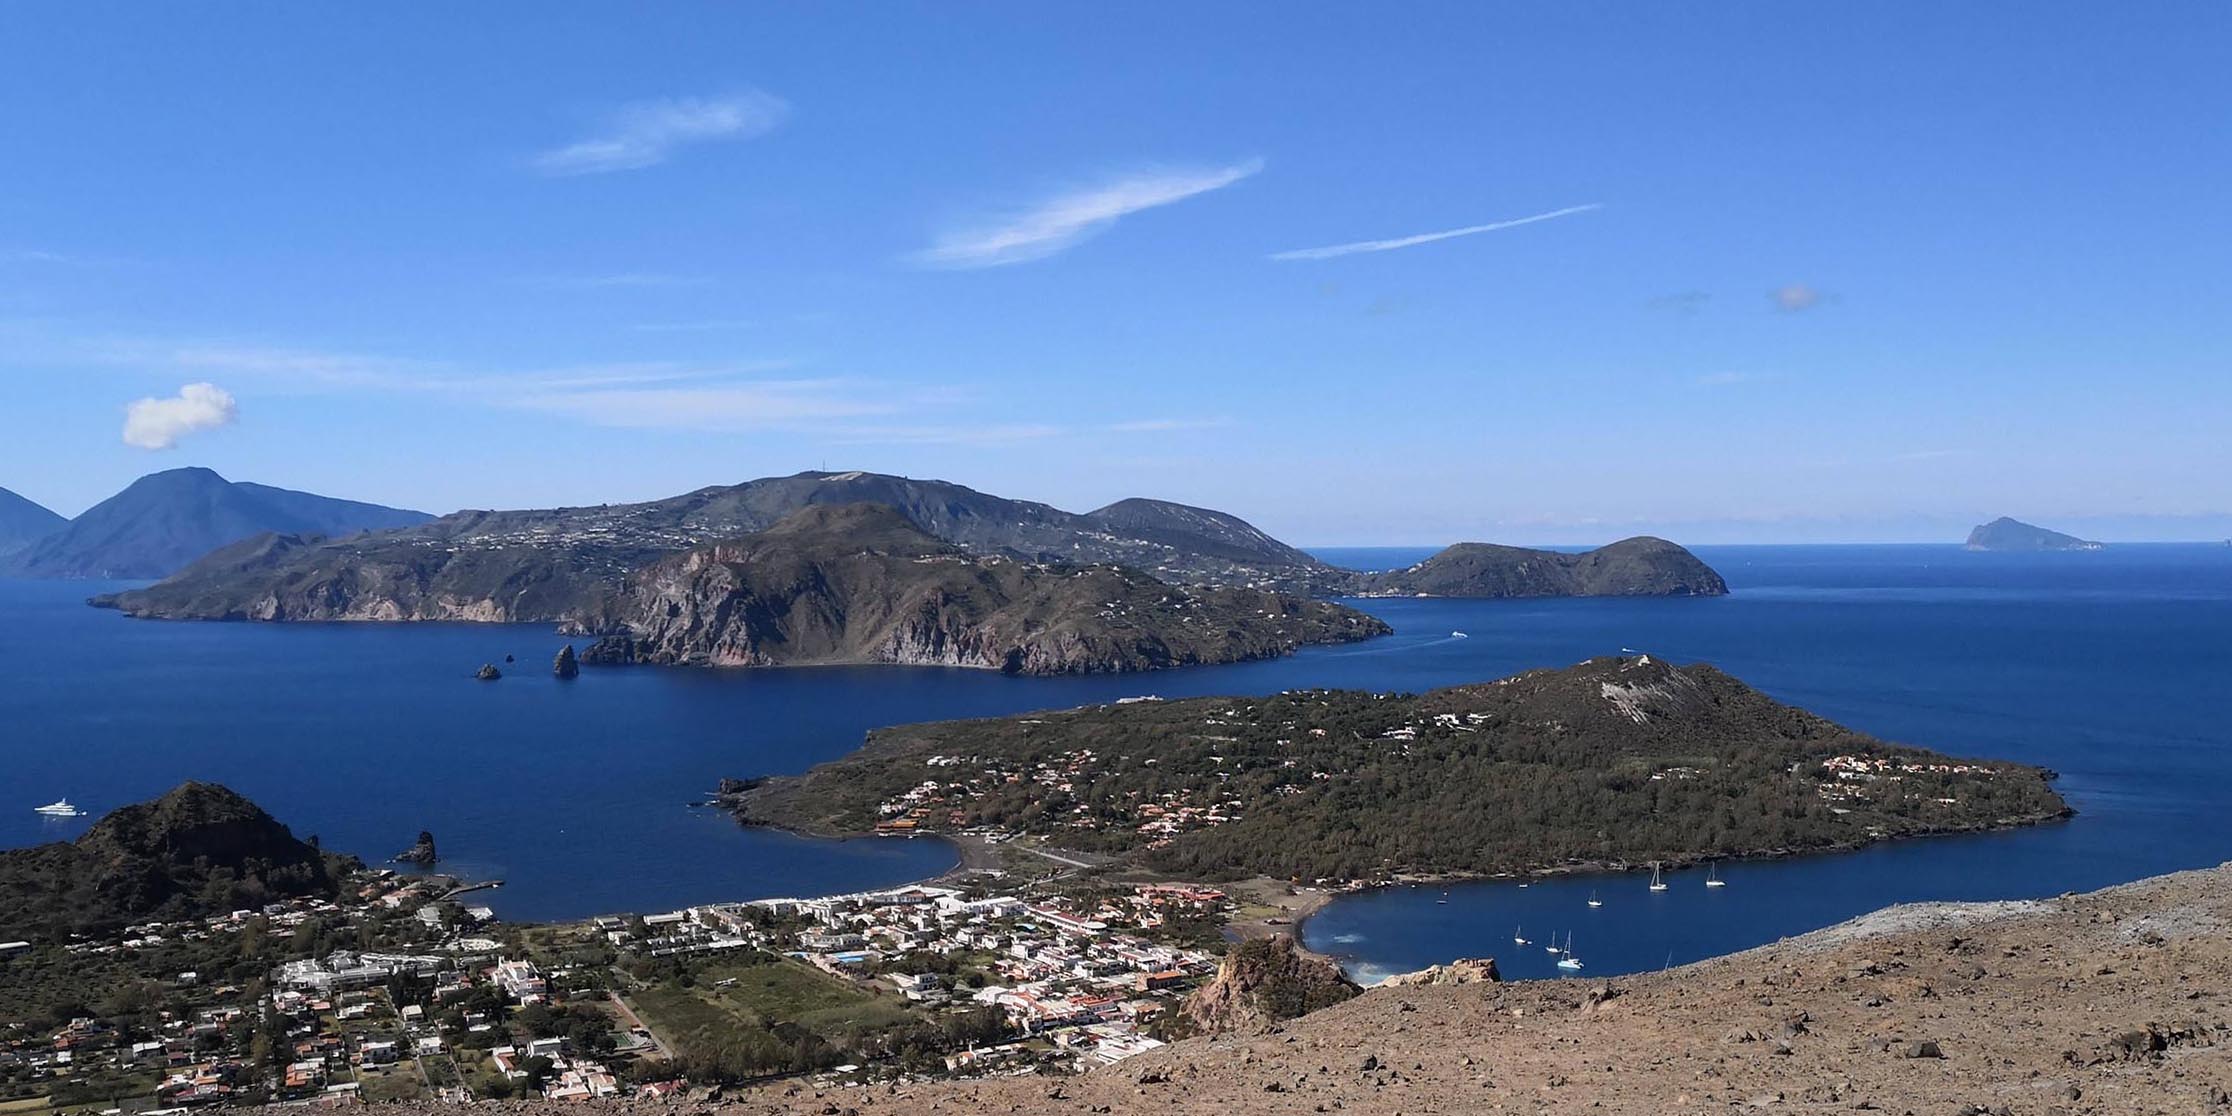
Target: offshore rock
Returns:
[[421, 853]]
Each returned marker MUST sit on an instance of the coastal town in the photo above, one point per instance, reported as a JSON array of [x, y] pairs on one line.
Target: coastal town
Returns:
[[400, 990]]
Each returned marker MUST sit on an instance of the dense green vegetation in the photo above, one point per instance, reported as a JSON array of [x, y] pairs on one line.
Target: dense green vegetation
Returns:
[[200, 849], [1609, 761]]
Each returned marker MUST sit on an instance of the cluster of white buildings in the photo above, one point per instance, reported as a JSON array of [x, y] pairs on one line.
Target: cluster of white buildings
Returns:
[[1070, 975]]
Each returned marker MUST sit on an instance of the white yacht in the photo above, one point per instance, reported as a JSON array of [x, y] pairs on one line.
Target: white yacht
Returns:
[[1569, 962], [1712, 877], [60, 809], [1594, 901], [1518, 935], [1657, 884]]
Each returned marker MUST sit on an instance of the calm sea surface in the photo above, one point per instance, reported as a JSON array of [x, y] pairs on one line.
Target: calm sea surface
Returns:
[[2111, 668]]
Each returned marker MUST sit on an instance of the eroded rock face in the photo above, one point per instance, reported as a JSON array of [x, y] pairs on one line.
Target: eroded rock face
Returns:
[[1466, 970], [1263, 981], [860, 584]]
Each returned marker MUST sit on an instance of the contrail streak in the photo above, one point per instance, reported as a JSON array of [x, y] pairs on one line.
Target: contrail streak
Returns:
[[1328, 253]]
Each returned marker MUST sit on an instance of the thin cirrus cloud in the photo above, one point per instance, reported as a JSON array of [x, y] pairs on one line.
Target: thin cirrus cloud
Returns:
[[647, 133], [158, 423], [1067, 219], [1361, 246]]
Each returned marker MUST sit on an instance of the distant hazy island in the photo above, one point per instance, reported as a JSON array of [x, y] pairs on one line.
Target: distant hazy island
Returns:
[[1612, 761], [2013, 534], [163, 521]]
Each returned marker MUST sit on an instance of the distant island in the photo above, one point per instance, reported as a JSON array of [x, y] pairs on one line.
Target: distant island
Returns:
[[1616, 761], [2013, 534], [559, 565], [23, 522], [1637, 567], [163, 521], [860, 583]]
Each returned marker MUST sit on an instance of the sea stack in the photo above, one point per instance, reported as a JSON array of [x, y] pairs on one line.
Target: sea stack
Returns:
[[567, 666], [422, 853], [488, 672]]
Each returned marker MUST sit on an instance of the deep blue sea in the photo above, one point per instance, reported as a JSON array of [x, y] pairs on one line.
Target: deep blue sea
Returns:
[[2109, 667]]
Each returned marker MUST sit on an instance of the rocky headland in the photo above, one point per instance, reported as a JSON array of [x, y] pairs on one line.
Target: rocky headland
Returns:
[[860, 583]]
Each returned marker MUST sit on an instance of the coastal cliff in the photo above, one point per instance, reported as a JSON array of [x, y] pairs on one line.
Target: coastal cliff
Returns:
[[860, 583], [1636, 567]]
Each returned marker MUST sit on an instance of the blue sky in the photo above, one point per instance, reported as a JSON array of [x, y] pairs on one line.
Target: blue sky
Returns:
[[1872, 272]]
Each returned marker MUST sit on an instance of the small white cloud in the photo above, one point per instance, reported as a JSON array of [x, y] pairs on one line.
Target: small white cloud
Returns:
[[1065, 220], [1351, 249], [757, 405], [158, 424], [1794, 297], [647, 133]]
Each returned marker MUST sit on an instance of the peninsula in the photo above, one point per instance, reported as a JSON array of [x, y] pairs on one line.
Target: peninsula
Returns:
[[2014, 534], [1613, 761]]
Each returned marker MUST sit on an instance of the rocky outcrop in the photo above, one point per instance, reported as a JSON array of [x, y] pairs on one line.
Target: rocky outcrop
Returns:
[[421, 852], [860, 584], [568, 665], [199, 848], [488, 672], [1637, 567], [1464, 970], [1263, 981]]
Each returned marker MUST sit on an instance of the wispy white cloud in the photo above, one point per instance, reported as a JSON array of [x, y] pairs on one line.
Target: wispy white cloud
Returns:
[[753, 405], [1390, 245], [647, 133], [1040, 230], [1165, 425], [34, 256], [1794, 297], [158, 423]]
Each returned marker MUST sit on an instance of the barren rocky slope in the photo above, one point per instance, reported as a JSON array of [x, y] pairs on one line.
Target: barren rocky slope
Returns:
[[2112, 1002], [859, 583]]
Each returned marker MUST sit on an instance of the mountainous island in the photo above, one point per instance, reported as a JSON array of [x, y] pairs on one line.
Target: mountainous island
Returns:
[[2013, 534], [1637, 567], [23, 522], [163, 521], [860, 583], [199, 849], [557, 565], [1613, 761]]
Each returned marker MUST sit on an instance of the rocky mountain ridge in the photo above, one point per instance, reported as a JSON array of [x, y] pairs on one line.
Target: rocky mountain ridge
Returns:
[[553, 565], [861, 583]]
